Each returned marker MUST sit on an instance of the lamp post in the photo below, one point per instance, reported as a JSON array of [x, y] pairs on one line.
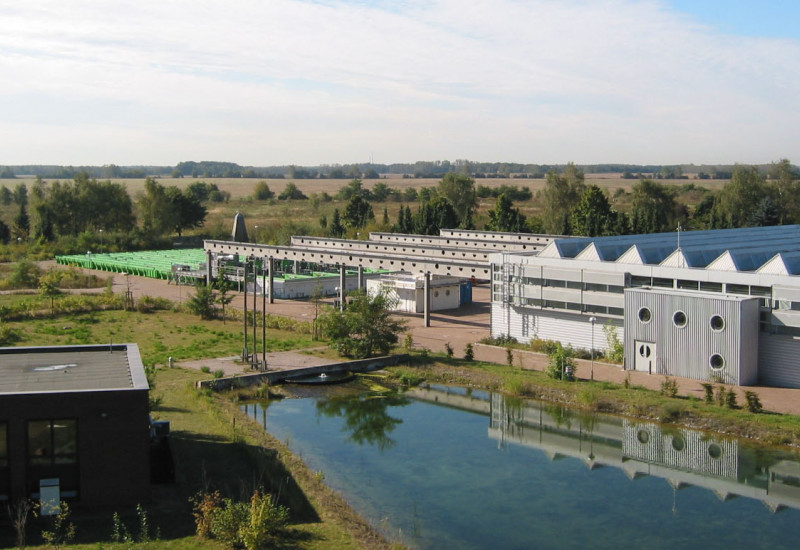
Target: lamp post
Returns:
[[255, 237], [592, 320], [101, 240]]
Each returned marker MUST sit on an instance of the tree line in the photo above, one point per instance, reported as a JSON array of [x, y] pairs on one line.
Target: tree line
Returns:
[[48, 211]]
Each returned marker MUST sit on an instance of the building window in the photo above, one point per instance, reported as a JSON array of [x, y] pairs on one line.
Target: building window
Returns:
[[679, 319], [3, 444], [52, 442], [716, 361], [717, 323], [447, 292], [645, 315]]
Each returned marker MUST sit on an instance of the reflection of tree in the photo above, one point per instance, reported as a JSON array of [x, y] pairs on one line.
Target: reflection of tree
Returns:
[[366, 417]]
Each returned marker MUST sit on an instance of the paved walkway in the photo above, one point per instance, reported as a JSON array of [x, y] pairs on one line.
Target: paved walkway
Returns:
[[457, 328]]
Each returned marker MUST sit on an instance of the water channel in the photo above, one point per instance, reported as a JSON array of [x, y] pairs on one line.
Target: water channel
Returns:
[[443, 467]]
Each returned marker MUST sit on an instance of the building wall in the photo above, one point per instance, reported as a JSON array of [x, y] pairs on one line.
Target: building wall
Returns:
[[571, 329], [685, 346], [411, 299], [113, 457], [779, 360]]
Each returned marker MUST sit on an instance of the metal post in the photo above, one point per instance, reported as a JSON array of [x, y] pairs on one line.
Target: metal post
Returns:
[[426, 299], [209, 268], [255, 312], [592, 320], [263, 320], [244, 351], [342, 283], [271, 280], [361, 277]]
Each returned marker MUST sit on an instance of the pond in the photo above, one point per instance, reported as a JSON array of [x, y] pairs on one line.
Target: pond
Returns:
[[443, 467]]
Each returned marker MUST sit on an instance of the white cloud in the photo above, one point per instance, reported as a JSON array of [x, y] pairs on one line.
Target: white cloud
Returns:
[[288, 81]]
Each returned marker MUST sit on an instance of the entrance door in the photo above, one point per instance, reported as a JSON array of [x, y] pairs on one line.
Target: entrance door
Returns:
[[645, 356]]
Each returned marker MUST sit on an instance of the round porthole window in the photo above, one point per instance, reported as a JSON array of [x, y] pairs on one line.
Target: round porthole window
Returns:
[[447, 293], [645, 315], [679, 319], [678, 443], [716, 361], [714, 451], [643, 436], [436, 294], [717, 323]]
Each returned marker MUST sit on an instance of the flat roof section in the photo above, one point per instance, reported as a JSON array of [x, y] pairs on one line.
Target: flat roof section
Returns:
[[71, 369]]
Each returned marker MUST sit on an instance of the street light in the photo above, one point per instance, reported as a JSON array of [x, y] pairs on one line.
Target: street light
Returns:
[[256, 234], [101, 241], [593, 320]]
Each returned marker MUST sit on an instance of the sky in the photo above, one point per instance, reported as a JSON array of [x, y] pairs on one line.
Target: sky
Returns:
[[314, 82]]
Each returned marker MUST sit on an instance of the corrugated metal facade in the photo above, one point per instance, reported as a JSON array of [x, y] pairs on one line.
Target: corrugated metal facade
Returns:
[[527, 323], [779, 360], [679, 327]]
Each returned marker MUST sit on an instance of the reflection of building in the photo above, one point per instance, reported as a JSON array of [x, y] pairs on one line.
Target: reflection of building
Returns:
[[76, 418], [681, 456], [575, 287]]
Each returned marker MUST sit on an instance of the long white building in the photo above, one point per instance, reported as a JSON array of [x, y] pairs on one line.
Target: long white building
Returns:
[[717, 305]]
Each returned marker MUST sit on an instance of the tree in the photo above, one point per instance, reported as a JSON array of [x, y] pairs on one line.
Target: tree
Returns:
[[22, 224], [262, 191], [357, 212], [786, 190], [561, 363], [561, 193], [186, 211], [154, 208], [203, 302], [506, 218], [224, 286], [354, 187], [335, 228], [432, 216], [291, 192], [364, 327], [459, 189], [48, 287], [5, 233], [738, 201], [593, 216], [381, 192], [653, 208]]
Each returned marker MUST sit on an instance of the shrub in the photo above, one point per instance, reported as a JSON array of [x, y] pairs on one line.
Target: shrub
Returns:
[[616, 349], [219, 373], [469, 353], [561, 365], [265, 520], [509, 356], [730, 399], [227, 521], [753, 402], [408, 343], [719, 396], [543, 346], [669, 387], [448, 349], [708, 391]]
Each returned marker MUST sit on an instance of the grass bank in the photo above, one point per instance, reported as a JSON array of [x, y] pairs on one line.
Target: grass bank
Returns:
[[627, 400]]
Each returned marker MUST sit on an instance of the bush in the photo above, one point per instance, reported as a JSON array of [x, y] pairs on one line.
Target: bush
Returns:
[[753, 402], [239, 524], [469, 353], [708, 390], [561, 365], [669, 387], [227, 522], [448, 349], [730, 399], [544, 346]]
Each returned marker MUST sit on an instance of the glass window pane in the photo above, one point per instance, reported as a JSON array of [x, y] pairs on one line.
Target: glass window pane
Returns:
[[40, 448], [65, 441], [3, 444]]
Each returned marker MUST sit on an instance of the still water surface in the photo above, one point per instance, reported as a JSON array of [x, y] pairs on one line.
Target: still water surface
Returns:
[[446, 468]]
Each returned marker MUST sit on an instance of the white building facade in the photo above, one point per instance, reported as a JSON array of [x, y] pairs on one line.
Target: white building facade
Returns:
[[579, 291]]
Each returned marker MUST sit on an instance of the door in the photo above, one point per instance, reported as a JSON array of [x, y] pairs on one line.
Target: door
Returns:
[[645, 356]]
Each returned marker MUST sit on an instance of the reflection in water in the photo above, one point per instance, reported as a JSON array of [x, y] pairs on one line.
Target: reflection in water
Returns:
[[366, 417], [421, 468], [681, 456]]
